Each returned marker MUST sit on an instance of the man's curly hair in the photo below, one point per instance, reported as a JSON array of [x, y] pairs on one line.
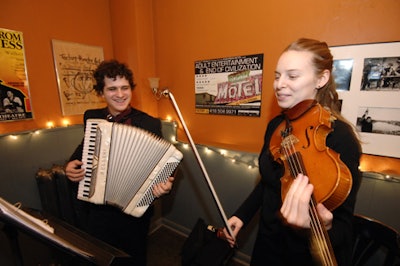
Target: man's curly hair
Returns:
[[111, 69]]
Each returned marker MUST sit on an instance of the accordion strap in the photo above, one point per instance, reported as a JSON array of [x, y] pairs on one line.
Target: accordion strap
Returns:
[[167, 93]]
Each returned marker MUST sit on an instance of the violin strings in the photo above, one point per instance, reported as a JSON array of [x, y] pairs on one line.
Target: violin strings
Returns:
[[296, 167], [292, 157], [320, 236]]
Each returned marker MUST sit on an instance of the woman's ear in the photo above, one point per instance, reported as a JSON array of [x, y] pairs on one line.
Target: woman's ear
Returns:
[[323, 78]]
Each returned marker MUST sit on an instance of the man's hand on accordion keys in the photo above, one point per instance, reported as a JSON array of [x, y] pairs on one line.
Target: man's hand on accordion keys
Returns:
[[161, 189], [74, 171]]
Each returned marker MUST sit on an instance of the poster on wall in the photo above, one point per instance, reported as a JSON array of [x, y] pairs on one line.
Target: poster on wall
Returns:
[[368, 78], [229, 86], [15, 101], [74, 65]]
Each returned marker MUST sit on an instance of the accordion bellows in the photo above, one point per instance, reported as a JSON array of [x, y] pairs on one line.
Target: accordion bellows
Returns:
[[122, 163]]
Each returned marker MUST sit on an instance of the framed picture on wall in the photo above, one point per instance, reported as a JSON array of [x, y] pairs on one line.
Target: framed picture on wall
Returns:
[[229, 86], [74, 64], [368, 78], [15, 100]]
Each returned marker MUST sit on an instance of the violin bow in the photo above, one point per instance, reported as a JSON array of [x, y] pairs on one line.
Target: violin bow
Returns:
[[169, 95]]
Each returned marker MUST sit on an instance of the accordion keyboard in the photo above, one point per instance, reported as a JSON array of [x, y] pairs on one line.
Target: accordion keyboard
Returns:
[[89, 149]]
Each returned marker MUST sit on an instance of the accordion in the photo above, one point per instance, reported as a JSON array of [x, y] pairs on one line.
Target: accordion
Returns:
[[122, 163]]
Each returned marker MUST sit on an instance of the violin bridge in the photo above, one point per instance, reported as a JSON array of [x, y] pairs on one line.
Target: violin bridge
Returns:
[[289, 140]]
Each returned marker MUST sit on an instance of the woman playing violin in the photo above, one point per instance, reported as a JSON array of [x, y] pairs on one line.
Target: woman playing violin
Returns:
[[303, 77]]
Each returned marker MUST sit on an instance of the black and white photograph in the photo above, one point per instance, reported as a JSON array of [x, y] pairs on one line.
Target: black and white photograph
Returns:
[[342, 70], [368, 86], [382, 73], [379, 120]]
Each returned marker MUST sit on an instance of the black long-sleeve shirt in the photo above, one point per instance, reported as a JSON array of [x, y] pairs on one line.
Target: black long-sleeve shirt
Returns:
[[279, 244], [106, 222]]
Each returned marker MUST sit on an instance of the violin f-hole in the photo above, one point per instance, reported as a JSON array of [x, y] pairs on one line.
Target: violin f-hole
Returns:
[[308, 142]]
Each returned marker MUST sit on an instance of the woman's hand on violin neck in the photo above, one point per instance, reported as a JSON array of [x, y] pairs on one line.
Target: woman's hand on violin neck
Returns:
[[295, 209]]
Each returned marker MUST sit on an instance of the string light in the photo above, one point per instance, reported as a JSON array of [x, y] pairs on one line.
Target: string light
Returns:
[[65, 122], [33, 132], [234, 157], [50, 124]]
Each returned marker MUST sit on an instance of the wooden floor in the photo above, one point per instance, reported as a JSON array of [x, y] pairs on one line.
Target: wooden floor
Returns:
[[164, 247]]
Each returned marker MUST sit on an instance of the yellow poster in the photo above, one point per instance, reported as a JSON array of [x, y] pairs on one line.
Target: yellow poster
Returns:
[[74, 65], [14, 87]]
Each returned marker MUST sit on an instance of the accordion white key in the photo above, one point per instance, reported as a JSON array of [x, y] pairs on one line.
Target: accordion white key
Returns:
[[122, 163]]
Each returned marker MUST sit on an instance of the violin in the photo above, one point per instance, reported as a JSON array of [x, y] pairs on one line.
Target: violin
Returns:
[[299, 143]]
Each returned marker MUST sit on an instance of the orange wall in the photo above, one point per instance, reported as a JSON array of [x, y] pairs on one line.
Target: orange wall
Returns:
[[165, 37], [186, 31], [133, 38], [86, 22]]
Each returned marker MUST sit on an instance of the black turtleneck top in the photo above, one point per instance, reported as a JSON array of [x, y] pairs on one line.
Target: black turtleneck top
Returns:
[[279, 244]]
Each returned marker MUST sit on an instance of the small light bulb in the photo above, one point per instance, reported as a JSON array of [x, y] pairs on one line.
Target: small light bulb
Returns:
[[65, 122], [50, 124]]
